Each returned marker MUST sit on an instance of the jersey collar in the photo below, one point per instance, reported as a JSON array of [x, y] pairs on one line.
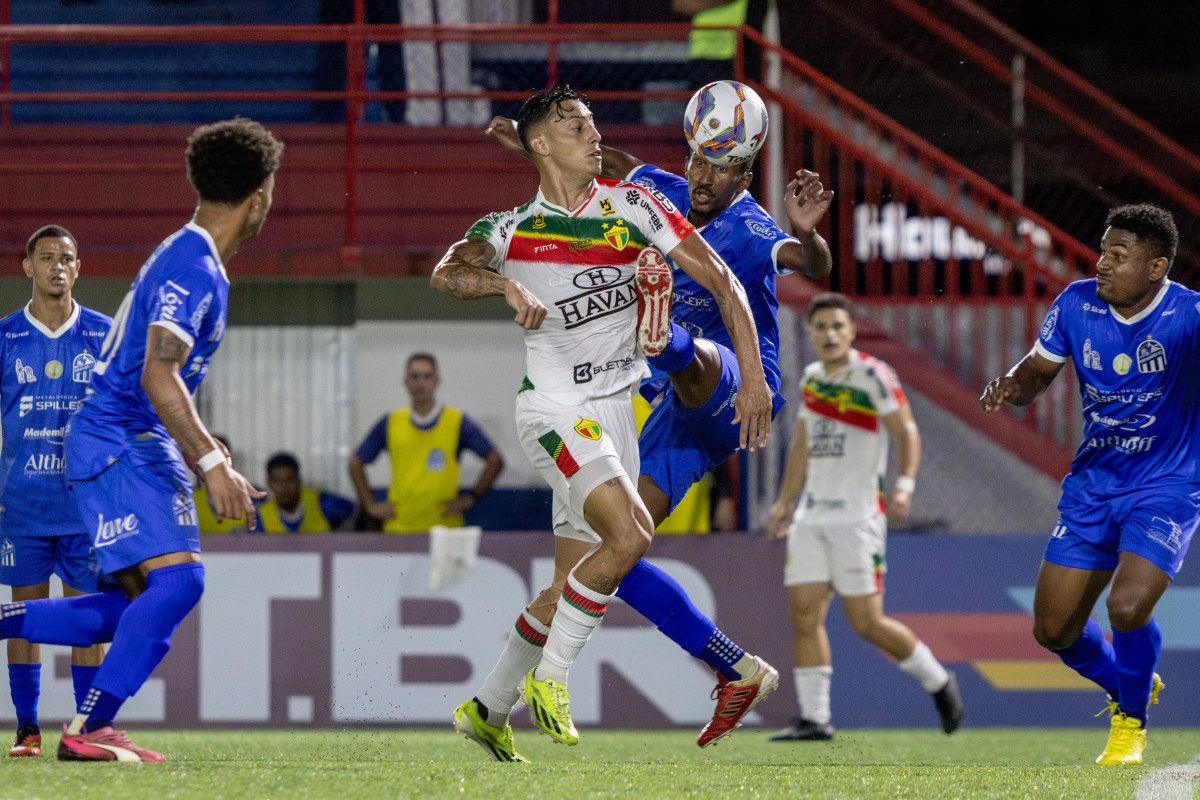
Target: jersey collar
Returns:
[[1145, 312], [544, 203], [212, 247], [66, 326]]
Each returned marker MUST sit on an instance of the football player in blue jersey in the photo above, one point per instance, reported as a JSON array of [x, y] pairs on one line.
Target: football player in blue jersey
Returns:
[[47, 350], [1132, 498], [127, 442], [691, 430]]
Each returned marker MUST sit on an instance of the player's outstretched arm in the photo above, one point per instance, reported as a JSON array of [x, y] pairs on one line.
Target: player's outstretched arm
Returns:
[[463, 273], [753, 402], [1023, 383], [806, 202], [231, 495], [795, 471]]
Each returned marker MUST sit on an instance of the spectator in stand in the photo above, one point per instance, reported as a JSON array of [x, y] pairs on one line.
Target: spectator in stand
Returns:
[[424, 440], [711, 50], [296, 508]]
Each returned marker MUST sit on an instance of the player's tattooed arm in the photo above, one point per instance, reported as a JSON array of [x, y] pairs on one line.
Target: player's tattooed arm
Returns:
[[464, 273], [231, 495]]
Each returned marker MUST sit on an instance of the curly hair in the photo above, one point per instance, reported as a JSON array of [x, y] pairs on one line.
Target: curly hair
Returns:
[[227, 161], [51, 232], [538, 108], [1153, 225]]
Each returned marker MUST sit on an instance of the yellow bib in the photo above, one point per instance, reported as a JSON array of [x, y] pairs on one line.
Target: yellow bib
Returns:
[[313, 521], [716, 45], [693, 514], [424, 471]]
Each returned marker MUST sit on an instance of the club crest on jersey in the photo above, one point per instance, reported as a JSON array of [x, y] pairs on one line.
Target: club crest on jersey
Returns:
[[617, 235], [588, 429], [1151, 357], [81, 367], [1122, 363], [54, 369]]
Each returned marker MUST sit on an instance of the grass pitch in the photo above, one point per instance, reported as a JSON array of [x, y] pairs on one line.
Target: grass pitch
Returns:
[[435, 764]]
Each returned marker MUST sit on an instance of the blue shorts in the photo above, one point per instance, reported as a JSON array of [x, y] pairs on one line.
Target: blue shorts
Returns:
[[30, 560], [1156, 524], [678, 445], [135, 511]]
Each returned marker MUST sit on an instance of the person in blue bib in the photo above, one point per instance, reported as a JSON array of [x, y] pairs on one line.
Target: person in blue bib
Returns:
[[47, 351], [127, 443], [1131, 501], [695, 373]]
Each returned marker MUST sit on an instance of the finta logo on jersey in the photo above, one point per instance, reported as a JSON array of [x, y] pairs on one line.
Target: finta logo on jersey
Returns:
[[609, 299], [110, 532]]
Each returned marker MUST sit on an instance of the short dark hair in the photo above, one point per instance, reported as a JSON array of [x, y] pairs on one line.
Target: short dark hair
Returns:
[[829, 300], [49, 232], [228, 161], [283, 460], [540, 105], [1151, 224], [421, 357]]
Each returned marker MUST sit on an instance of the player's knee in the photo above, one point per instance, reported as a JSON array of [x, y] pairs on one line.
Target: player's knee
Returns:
[[1128, 613], [1054, 635]]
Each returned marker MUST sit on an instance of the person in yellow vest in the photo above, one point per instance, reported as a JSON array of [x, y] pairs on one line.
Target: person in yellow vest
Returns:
[[711, 49], [424, 441], [296, 508], [693, 514]]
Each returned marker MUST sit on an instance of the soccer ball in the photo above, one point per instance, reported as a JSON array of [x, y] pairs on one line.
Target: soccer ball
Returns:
[[726, 122]]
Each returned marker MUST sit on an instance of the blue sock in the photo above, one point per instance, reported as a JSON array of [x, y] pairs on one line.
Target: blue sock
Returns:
[[1092, 657], [81, 681], [1137, 655], [24, 685], [75, 621], [100, 708], [659, 598], [678, 353], [143, 635]]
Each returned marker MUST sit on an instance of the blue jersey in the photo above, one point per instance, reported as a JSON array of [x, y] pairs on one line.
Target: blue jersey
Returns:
[[44, 376], [182, 287], [748, 240], [1137, 380]]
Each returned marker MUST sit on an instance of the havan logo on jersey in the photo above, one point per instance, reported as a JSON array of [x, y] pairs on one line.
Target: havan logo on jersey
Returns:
[[607, 298], [824, 440], [110, 532]]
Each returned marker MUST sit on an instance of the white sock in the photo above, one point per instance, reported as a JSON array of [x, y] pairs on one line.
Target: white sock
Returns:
[[925, 668], [521, 654], [812, 690], [580, 611]]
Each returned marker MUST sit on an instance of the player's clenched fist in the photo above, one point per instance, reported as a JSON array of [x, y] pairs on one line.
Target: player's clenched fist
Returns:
[[997, 392]]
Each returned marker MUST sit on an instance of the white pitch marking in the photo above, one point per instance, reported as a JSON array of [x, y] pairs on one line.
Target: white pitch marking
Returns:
[[1176, 782]]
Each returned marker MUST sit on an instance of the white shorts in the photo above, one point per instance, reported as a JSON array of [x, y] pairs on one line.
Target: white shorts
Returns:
[[849, 555], [575, 449]]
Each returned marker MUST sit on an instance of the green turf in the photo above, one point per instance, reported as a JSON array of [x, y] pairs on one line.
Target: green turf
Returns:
[[435, 764]]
